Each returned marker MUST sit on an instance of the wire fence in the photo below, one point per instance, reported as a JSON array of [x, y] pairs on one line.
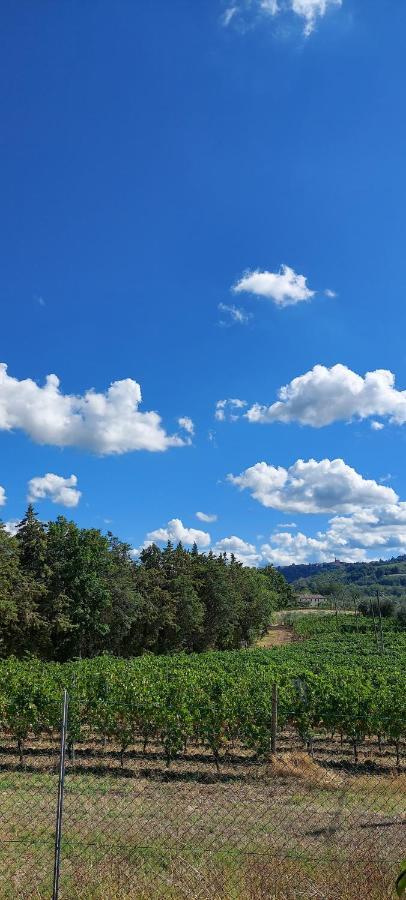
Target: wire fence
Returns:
[[292, 825]]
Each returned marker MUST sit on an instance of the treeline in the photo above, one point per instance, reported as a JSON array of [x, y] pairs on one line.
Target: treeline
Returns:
[[68, 592], [366, 578]]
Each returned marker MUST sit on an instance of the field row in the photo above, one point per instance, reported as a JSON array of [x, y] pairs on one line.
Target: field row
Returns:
[[214, 699]]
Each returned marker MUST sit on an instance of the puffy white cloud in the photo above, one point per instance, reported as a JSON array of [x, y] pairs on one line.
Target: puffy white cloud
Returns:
[[245, 553], [328, 486], [285, 287], [284, 549], [3, 497], [377, 426], [227, 409], [187, 424], [55, 488], [175, 531], [206, 517], [322, 396], [366, 534], [103, 423], [234, 314], [373, 529]]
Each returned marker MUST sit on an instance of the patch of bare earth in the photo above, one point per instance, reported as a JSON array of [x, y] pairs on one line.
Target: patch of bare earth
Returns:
[[276, 636]]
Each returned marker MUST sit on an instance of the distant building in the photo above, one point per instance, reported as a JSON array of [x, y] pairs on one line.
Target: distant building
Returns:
[[310, 601]]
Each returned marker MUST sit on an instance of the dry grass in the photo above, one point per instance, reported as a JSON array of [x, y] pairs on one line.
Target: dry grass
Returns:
[[289, 827], [260, 878], [303, 767]]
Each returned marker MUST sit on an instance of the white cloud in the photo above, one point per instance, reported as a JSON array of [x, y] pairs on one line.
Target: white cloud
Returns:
[[311, 10], [102, 423], [322, 396], [206, 517], [3, 497], [246, 11], [175, 531], [287, 525], [285, 287], [234, 315], [187, 424], [11, 527], [329, 293], [377, 426], [227, 409], [228, 15], [55, 488], [269, 6], [328, 486], [284, 549], [367, 533], [244, 552]]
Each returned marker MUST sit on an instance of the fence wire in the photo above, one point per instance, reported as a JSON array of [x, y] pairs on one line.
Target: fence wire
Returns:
[[288, 826]]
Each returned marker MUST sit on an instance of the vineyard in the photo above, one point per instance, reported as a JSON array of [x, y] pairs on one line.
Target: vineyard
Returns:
[[171, 789], [336, 682]]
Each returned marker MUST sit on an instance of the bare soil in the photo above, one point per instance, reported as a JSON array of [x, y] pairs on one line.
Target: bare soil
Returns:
[[276, 636]]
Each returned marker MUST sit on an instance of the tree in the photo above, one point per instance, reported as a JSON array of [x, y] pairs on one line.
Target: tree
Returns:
[[279, 586], [21, 626], [32, 540], [79, 600]]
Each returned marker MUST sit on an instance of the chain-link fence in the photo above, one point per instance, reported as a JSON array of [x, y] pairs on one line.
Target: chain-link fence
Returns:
[[293, 825]]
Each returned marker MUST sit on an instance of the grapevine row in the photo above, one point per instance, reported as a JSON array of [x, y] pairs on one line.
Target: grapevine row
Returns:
[[212, 698]]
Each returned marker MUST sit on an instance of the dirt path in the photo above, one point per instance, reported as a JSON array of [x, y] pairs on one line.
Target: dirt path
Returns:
[[277, 635]]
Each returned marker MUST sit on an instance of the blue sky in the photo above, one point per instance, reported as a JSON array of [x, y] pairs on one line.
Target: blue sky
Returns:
[[160, 162]]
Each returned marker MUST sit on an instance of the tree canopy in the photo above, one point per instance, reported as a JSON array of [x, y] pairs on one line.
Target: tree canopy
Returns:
[[68, 592]]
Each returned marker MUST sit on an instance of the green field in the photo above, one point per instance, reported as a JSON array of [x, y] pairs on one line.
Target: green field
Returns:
[[171, 790]]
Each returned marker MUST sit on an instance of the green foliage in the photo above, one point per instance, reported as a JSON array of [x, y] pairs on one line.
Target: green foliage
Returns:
[[335, 681], [387, 576], [68, 592]]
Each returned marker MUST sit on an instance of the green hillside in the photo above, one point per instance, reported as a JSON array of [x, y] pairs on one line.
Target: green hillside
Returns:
[[387, 576]]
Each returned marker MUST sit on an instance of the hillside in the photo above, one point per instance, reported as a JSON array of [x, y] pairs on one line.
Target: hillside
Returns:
[[387, 576]]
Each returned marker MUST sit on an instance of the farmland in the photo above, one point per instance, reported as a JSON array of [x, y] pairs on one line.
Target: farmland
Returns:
[[170, 783]]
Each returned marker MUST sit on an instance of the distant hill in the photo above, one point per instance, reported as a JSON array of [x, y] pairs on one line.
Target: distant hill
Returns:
[[387, 576]]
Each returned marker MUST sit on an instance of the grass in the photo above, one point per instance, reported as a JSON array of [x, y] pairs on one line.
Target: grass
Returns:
[[289, 827]]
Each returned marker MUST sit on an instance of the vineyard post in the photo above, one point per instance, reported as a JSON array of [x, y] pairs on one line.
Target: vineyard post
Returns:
[[59, 806], [378, 597], [374, 621], [274, 720]]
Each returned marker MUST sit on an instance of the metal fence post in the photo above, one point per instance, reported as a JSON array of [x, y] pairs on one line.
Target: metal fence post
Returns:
[[59, 807], [274, 721]]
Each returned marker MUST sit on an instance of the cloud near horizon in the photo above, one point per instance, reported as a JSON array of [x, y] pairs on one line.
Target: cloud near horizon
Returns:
[[325, 486], [103, 423], [175, 531]]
